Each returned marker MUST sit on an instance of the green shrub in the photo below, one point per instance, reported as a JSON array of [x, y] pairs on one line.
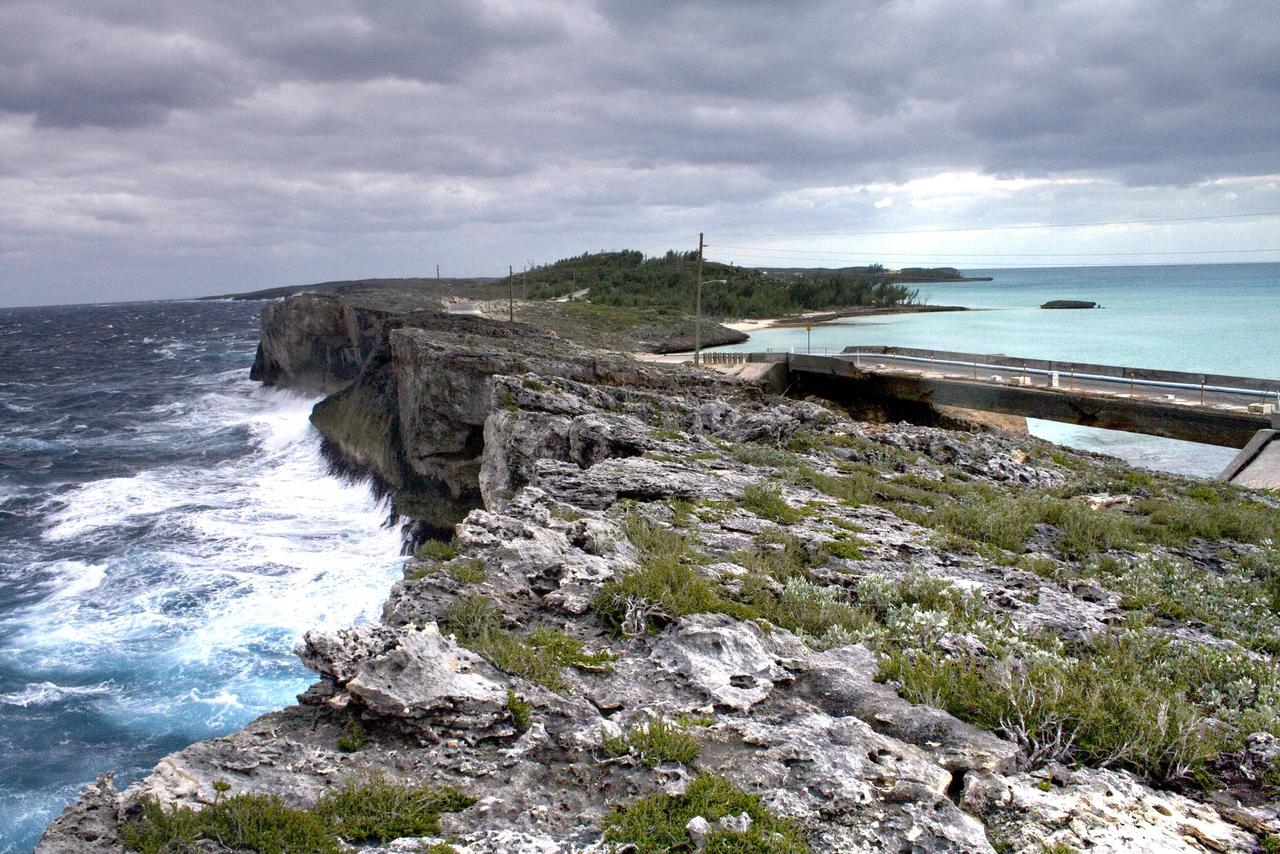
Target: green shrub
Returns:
[[664, 586], [540, 658], [1102, 709], [521, 711], [849, 548], [376, 810], [568, 651], [778, 554], [352, 737], [656, 824], [1174, 521], [467, 571], [762, 456], [819, 615], [1083, 531], [654, 742], [259, 823], [1236, 603], [1002, 522], [766, 501], [440, 550], [472, 617]]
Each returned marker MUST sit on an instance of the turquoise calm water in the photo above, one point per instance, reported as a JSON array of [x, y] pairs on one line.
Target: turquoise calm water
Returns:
[[1220, 318]]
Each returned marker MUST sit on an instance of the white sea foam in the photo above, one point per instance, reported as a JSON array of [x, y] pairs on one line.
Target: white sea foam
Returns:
[[45, 693], [71, 578], [228, 565]]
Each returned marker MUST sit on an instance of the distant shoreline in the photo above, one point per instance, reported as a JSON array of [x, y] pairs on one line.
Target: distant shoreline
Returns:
[[828, 317]]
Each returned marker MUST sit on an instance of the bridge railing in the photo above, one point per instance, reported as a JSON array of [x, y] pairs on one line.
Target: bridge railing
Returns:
[[1204, 390], [1081, 368], [712, 358]]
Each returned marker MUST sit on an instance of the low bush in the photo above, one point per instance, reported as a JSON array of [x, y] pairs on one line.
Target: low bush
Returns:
[[259, 823], [440, 550], [656, 824], [540, 658], [370, 811], [1102, 709], [766, 501], [375, 810], [351, 738], [521, 711], [653, 742]]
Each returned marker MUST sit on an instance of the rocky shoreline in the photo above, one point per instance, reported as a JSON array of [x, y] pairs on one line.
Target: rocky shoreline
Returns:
[[650, 600]]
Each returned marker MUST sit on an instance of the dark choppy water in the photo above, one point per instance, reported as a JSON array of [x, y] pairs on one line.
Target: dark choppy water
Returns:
[[167, 532]]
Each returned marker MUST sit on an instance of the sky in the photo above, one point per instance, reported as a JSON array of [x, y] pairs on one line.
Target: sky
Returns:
[[155, 150]]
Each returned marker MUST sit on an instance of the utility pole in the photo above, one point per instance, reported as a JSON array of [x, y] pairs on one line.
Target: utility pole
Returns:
[[697, 323], [511, 295], [437, 272]]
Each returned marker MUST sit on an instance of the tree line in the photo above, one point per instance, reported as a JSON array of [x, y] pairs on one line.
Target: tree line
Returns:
[[627, 278]]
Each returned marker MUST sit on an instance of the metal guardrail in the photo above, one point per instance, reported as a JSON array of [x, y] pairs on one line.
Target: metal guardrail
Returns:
[[1057, 378], [711, 358]]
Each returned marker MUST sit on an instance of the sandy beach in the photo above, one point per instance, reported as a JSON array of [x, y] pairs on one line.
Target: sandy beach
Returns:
[[827, 316]]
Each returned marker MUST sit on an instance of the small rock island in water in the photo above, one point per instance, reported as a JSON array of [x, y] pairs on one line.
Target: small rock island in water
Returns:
[[1070, 303]]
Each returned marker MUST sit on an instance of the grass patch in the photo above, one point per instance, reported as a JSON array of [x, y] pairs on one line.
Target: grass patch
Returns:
[[372, 811], [261, 823], [1105, 708], [820, 615], [540, 658], [766, 501], [467, 571], [656, 824], [1237, 601], [763, 456], [777, 554], [439, 550], [521, 711], [376, 810], [682, 512], [654, 742], [663, 587], [845, 548], [352, 737]]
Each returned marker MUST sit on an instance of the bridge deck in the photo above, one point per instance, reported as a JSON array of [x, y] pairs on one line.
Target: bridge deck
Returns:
[[1209, 408]]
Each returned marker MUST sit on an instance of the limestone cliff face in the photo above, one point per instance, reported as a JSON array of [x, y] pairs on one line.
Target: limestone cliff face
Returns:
[[409, 393], [316, 342]]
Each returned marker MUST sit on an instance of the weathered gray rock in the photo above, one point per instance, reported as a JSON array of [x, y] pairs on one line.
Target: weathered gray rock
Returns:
[[408, 673], [733, 664], [88, 826], [1097, 810]]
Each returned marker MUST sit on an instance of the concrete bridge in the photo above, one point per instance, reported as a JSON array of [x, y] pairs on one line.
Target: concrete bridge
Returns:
[[1237, 412]]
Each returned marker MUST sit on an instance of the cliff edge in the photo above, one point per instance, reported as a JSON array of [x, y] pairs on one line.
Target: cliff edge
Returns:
[[658, 610]]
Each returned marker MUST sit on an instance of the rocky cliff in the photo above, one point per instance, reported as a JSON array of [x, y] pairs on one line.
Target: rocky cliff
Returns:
[[667, 613]]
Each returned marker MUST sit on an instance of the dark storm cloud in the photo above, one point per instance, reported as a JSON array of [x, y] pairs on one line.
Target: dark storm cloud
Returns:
[[69, 71], [295, 134]]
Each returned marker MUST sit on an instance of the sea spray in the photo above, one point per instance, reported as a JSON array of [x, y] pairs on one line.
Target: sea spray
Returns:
[[169, 531]]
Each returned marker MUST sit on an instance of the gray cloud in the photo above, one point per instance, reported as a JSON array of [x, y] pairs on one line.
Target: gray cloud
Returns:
[[241, 145]]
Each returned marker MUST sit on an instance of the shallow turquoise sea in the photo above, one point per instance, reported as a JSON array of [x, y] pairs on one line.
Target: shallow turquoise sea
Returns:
[[1221, 318]]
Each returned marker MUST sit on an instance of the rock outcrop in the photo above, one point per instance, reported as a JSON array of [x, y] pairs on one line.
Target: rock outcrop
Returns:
[[638, 546]]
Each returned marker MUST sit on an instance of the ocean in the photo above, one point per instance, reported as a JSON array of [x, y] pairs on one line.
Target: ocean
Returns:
[[1220, 318], [168, 530]]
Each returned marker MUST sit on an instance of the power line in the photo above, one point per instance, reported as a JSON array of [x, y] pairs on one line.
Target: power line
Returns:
[[1024, 227]]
